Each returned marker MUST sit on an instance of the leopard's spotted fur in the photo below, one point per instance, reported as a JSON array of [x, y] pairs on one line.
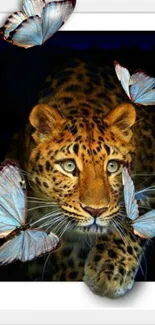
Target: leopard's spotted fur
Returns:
[[82, 116]]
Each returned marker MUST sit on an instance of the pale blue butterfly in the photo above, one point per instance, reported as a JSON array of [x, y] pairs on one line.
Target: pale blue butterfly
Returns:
[[143, 226], [37, 22], [21, 242], [139, 87]]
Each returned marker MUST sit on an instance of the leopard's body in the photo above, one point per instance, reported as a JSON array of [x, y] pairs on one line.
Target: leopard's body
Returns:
[[81, 125]]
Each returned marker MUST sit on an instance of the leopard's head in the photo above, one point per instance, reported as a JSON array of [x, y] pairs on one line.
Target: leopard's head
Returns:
[[77, 160]]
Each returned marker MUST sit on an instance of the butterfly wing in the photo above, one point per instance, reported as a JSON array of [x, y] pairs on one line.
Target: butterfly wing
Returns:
[[28, 245], [27, 34], [141, 89], [129, 195], [123, 76], [7, 222], [145, 225], [33, 7], [36, 243], [54, 15], [11, 250], [12, 23], [12, 199], [147, 99]]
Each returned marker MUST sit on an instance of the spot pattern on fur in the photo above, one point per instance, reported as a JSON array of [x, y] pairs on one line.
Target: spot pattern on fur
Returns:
[[84, 118]]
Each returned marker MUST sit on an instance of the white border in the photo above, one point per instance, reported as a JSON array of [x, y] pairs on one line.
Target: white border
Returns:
[[97, 6], [72, 296], [105, 22], [73, 303], [110, 22]]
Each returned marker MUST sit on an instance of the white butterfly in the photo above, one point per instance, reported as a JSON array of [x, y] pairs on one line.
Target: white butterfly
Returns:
[[143, 226], [37, 22], [21, 242], [139, 87]]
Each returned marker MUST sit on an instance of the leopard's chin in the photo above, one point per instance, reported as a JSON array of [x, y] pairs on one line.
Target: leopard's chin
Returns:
[[93, 229], [97, 226]]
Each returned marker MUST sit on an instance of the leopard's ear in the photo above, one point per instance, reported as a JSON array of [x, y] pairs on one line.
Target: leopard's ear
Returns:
[[46, 121], [120, 120]]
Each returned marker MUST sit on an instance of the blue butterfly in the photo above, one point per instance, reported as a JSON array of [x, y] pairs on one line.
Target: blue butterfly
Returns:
[[143, 226], [20, 241], [37, 22], [139, 87]]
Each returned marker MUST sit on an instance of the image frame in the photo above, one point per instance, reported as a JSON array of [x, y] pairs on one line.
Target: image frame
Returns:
[[112, 312]]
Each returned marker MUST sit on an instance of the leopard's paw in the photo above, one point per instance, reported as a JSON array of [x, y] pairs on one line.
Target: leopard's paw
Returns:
[[109, 280]]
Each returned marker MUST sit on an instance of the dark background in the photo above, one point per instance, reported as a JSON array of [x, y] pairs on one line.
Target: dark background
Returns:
[[23, 71]]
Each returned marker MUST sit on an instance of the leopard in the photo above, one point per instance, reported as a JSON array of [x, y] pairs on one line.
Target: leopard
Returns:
[[81, 133]]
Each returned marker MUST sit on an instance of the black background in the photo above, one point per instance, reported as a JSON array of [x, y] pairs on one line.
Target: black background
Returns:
[[23, 71]]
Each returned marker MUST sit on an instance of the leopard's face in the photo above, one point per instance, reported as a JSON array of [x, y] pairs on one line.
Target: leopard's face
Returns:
[[77, 162]]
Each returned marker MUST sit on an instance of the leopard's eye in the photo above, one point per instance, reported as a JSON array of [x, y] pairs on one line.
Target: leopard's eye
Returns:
[[68, 166], [113, 166]]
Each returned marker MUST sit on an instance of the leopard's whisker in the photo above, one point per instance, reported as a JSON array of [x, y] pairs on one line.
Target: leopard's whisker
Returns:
[[123, 211], [123, 224], [52, 222], [142, 184], [52, 219], [40, 200], [122, 214], [48, 216], [143, 174], [60, 228], [144, 207], [90, 240], [136, 256], [68, 226], [59, 225], [147, 189], [119, 229], [39, 207], [45, 264], [49, 223]]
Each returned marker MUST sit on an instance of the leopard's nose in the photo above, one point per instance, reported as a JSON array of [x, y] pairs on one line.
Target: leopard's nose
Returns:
[[94, 212]]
